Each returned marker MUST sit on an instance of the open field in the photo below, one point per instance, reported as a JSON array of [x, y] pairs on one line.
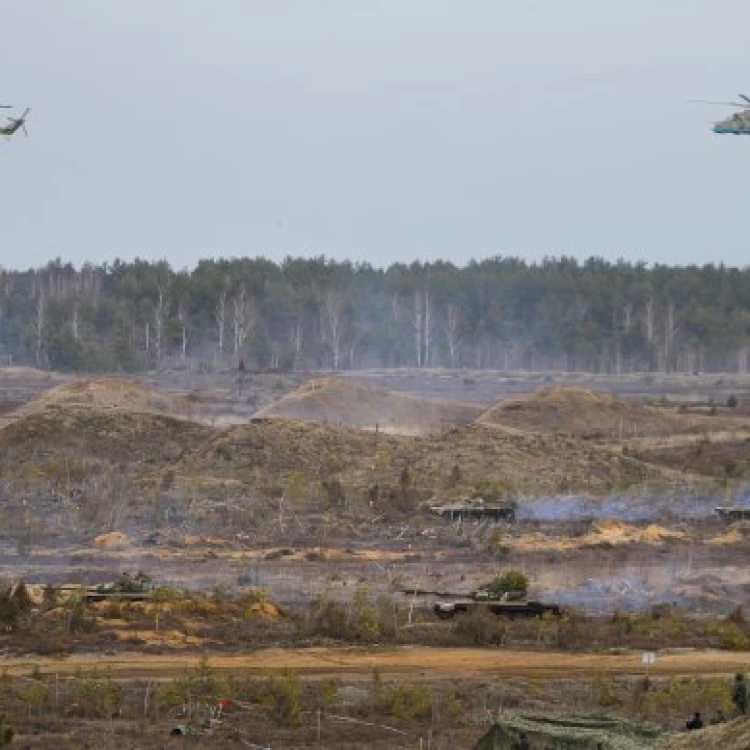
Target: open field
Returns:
[[416, 663], [285, 518]]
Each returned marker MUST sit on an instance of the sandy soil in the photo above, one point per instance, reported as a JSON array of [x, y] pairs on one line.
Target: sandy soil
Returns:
[[429, 663], [355, 403]]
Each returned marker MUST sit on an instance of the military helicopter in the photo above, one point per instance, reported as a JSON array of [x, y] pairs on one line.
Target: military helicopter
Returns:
[[738, 123], [14, 123]]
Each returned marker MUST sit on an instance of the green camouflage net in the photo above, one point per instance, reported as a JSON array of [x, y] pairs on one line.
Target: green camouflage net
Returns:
[[516, 731]]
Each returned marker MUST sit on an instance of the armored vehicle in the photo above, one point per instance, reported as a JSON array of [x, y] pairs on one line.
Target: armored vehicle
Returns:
[[507, 604], [133, 588], [476, 508], [504, 605], [730, 514]]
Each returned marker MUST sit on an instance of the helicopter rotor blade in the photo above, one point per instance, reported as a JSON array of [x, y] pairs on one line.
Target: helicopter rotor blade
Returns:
[[25, 132], [743, 105], [745, 98]]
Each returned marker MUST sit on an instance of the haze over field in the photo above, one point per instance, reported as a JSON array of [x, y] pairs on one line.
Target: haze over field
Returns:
[[376, 131]]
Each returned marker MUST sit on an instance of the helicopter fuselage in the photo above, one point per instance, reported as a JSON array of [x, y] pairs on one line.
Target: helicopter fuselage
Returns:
[[737, 124], [10, 129]]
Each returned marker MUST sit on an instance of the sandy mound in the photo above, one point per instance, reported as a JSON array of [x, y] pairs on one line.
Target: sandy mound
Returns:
[[577, 411], [278, 447], [263, 610], [113, 539], [69, 437], [607, 533], [616, 532], [104, 393], [352, 403], [301, 458]]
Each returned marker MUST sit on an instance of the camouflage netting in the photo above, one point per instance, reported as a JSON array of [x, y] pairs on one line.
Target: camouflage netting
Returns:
[[515, 731]]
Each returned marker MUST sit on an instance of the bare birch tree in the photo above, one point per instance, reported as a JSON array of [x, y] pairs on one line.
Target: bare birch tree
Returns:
[[428, 326], [334, 322], [74, 322], [220, 314], [243, 319], [422, 325], [650, 320], [670, 331], [159, 313], [298, 344], [38, 324], [182, 317], [417, 320], [452, 330]]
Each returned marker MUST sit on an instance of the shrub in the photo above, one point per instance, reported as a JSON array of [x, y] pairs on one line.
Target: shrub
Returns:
[[480, 627], [515, 581]]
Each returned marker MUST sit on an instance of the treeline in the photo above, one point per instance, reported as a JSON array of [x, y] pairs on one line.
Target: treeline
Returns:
[[501, 313]]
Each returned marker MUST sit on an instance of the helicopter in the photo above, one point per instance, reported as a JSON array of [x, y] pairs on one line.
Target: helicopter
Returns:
[[738, 123], [14, 123]]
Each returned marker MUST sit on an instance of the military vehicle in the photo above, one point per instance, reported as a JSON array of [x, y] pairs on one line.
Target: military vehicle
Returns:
[[507, 604], [730, 514], [476, 508], [132, 588]]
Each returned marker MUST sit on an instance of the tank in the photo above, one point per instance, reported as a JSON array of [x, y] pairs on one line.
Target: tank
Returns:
[[733, 513], [505, 605], [134, 588]]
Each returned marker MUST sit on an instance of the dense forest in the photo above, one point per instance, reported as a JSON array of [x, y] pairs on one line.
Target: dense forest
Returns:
[[501, 313]]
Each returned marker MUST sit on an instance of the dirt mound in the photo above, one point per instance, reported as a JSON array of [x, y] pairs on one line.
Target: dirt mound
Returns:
[[113, 539], [104, 393], [577, 411], [308, 458], [69, 437], [616, 532], [733, 735], [719, 455], [263, 610], [606, 533], [273, 449], [353, 403]]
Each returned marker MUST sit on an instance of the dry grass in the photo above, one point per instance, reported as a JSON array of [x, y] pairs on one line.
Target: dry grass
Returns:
[[590, 414], [457, 462], [719, 456], [54, 433], [105, 393], [734, 735], [609, 533], [353, 403]]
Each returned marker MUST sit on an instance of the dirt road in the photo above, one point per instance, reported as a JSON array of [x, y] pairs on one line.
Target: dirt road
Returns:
[[414, 663]]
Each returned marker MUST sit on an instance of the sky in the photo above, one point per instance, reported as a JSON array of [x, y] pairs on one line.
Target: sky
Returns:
[[373, 130]]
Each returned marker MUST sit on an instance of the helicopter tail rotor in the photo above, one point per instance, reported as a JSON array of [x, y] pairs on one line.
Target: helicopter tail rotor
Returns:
[[21, 122]]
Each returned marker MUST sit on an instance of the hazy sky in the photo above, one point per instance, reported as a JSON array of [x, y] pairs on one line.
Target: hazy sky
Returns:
[[378, 130]]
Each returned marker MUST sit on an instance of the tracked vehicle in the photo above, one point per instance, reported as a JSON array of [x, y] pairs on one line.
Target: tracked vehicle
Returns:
[[508, 604], [476, 508], [130, 588], [730, 514], [504, 605]]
